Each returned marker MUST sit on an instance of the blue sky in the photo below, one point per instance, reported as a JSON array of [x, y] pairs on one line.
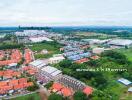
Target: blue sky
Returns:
[[65, 12]]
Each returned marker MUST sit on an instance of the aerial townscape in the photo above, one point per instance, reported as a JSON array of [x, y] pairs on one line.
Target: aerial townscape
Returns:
[[65, 49], [47, 63]]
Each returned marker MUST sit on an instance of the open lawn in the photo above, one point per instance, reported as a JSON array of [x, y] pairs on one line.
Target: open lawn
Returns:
[[39, 56], [53, 48], [119, 89], [34, 96]]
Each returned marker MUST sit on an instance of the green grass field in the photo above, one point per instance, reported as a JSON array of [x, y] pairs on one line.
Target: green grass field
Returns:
[[34, 96], [40, 46], [119, 89], [51, 47]]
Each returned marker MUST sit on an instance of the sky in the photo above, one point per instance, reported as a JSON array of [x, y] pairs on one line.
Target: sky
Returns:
[[66, 12]]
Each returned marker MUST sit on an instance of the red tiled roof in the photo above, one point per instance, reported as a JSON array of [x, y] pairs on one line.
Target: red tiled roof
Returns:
[[66, 91], [22, 80], [88, 90], [95, 57], [1, 73], [2, 92], [26, 68], [17, 74], [57, 86], [82, 60], [19, 86], [9, 73], [15, 58], [13, 82], [6, 88], [28, 56], [32, 71], [3, 83]]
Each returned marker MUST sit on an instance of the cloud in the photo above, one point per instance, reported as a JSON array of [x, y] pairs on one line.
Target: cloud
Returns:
[[65, 12]]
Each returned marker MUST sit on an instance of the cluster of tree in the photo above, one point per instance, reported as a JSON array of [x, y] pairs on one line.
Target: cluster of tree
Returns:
[[9, 36], [48, 85], [11, 46], [34, 28], [55, 97], [55, 43], [97, 78], [100, 95], [79, 95], [115, 56]]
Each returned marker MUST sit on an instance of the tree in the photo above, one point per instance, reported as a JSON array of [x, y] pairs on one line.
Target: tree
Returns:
[[99, 81], [55, 97], [80, 96], [48, 85], [94, 63], [65, 63], [33, 88], [115, 56], [99, 95]]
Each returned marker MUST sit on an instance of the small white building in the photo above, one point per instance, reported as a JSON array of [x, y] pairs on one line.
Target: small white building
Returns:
[[12, 65], [56, 59], [44, 51], [130, 89], [98, 50], [124, 81]]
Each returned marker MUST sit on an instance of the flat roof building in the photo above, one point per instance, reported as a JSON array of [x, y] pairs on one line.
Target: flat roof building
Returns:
[[120, 42], [56, 59], [124, 81]]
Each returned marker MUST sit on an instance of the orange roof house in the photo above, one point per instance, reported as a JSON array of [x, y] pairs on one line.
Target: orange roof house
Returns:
[[3, 83], [88, 90], [82, 60], [19, 86], [95, 57], [57, 86], [17, 74], [22, 80], [10, 74], [15, 58], [66, 91], [2, 92], [6, 88], [32, 71], [28, 56], [26, 68], [1, 73], [13, 82], [30, 83], [25, 85]]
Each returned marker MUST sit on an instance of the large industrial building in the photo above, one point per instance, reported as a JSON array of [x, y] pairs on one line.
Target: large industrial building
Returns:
[[120, 42]]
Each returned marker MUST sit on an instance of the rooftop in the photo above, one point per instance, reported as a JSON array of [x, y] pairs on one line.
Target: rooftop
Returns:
[[88, 90]]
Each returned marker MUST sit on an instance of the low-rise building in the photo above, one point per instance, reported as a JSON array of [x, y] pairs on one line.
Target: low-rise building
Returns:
[[98, 50], [120, 42], [56, 59], [124, 81]]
